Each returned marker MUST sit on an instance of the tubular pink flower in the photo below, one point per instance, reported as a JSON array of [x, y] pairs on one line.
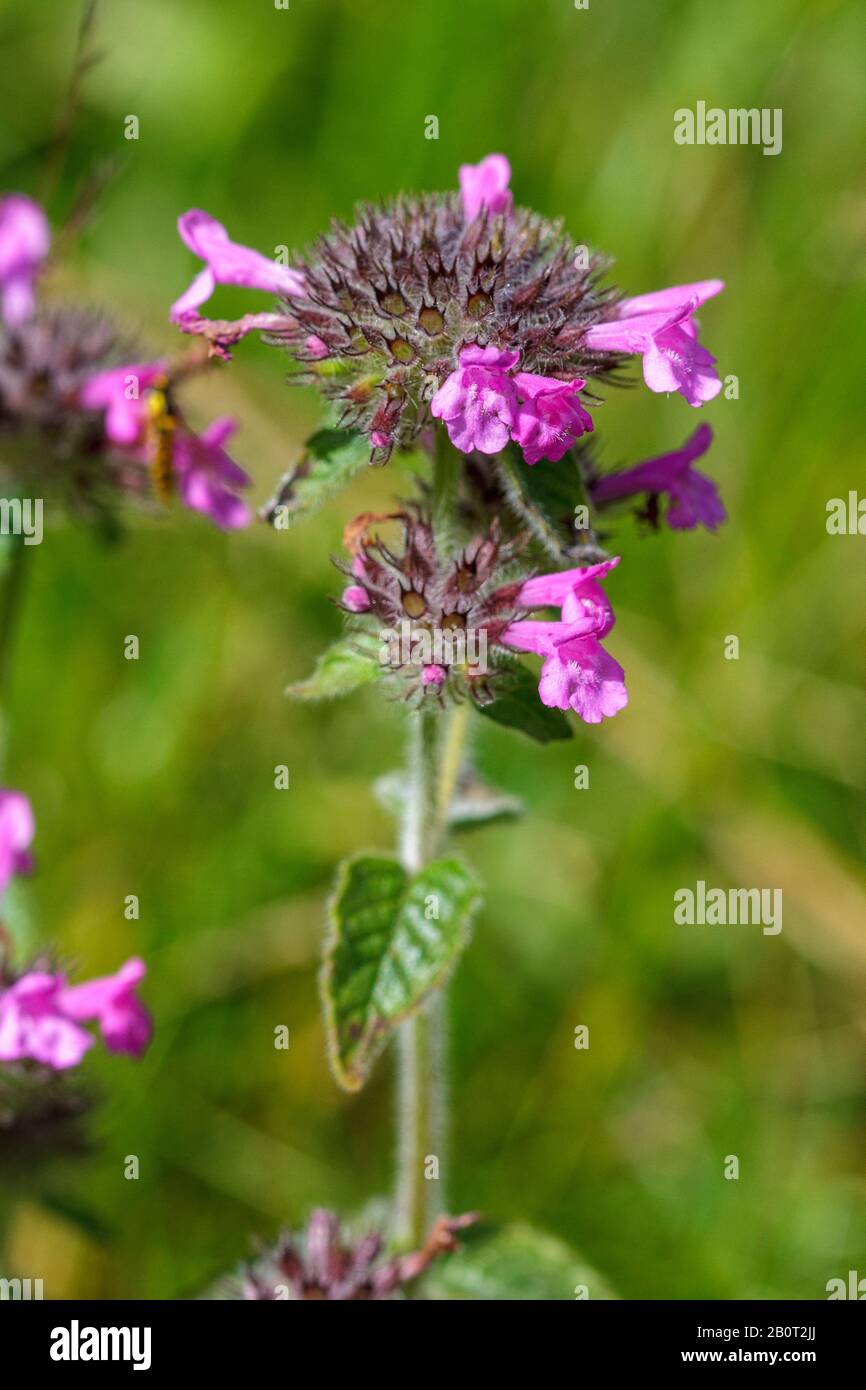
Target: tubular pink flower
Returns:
[[124, 1022], [34, 1026], [17, 828], [485, 185], [577, 673], [316, 347], [25, 239], [661, 328], [227, 263], [120, 392], [478, 401], [207, 476], [356, 599], [576, 592], [694, 498], [550, 416]]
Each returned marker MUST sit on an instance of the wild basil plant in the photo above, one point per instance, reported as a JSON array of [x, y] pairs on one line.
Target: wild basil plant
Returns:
[[476, 335]]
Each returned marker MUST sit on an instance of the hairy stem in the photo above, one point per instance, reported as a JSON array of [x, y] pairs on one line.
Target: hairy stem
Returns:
[[434, 766], [432, 773], [420, 1041]]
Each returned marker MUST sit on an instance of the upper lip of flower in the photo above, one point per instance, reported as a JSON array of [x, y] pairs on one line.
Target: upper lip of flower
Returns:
[[228, 263]]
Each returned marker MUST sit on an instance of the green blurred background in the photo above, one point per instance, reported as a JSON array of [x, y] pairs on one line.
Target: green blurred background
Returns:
[[156, 777]]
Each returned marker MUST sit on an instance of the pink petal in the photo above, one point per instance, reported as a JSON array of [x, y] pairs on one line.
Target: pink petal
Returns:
[[699, 291]]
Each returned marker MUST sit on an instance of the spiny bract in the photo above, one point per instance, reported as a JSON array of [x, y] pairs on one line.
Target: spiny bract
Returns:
[[391, 301]]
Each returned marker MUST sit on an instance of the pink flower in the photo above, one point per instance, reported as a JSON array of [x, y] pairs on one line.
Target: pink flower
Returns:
[[433, 675], [227, 263], [549, 417], [33, 1025], [121, 393], [478, 401], [17, 828], [124, 1022], [25, 239], [485, 185], [207, 476], [356, 599], [661, 327], [694, 498], [577, 672], [316, 347]]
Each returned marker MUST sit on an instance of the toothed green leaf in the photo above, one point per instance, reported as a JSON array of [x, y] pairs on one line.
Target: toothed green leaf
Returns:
[[394, 939], [350, 663], [516, 1262], [330, 460], [517, 705]]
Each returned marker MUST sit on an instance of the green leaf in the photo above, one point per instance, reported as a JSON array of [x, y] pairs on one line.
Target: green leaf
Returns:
[[330, 460], [516, 1262], [474, 803], [544, 496], [518, 706], [350, 663], [385, 955]]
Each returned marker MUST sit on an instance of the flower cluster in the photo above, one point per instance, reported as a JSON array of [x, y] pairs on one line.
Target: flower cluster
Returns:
[[324, 1265], [41, 1016], [692, 498], [449, 624], [40, 1013], [577, 672], [467, 310], [438, 617], [99, 422], [484, 405], [430, 304]]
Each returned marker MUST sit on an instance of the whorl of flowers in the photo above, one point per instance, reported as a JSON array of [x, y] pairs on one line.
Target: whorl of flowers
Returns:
[[325, 1265], [438, 617], [41, 1014], [85, 420], [466, 313]]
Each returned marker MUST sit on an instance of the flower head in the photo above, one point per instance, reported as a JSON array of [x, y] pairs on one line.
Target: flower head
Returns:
[[25, 239], [550, 417], [121, 393], [437, 616], [124, 1022], [661, 328], [17, 828], [485, 185], [324, 1264], [33, 1025], [208, 478], [693, 498], [198, 465], [227, 263], [478, 402], [414, 309], [577, 672]]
